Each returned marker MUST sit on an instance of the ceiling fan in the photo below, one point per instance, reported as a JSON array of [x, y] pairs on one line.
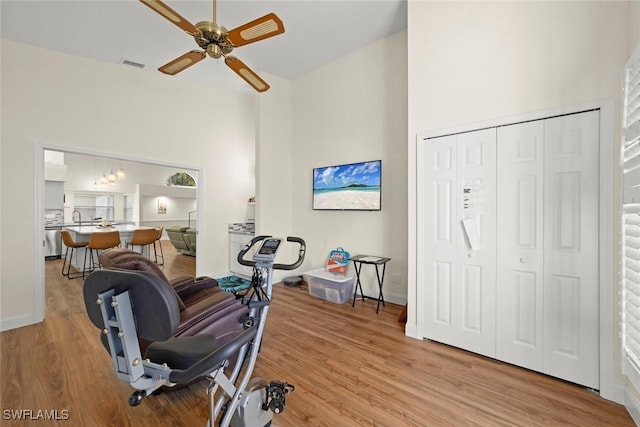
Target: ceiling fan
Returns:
[[216, 41]]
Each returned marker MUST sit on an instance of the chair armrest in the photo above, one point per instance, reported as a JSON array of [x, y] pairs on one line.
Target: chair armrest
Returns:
[[207, 306], [185, 285]]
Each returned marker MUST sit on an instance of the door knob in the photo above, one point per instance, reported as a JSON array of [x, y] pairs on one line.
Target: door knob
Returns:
[[523, 260]]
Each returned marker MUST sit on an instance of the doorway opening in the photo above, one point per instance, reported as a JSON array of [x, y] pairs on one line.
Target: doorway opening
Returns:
[[134, 199]]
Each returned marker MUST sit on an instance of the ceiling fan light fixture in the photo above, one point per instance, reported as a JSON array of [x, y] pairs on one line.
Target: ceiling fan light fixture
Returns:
[[214, 51]]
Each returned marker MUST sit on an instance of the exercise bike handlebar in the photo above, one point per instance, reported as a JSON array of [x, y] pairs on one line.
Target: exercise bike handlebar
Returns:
[[301, 253]]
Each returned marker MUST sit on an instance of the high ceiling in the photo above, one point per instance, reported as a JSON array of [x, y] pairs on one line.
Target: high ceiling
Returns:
[[316, 32]]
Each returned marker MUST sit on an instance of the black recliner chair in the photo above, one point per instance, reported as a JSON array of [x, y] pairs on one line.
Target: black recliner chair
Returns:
[[203, 306], [130, 306]]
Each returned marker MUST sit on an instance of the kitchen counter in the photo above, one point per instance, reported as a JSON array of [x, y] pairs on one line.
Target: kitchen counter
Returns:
[[90, 229], [82, 233]]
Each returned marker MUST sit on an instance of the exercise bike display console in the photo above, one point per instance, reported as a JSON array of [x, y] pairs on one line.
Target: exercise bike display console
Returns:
[[268, 250]]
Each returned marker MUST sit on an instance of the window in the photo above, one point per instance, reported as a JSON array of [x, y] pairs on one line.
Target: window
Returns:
[[128, 208], [631, 220], [93, 206], [181, 178]]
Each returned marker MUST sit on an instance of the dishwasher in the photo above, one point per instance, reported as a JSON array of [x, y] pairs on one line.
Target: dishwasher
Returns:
[[53, 222], [53, 242]]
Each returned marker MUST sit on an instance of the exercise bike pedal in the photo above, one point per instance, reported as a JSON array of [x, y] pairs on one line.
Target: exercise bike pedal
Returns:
[[275, 396], [250, 413]]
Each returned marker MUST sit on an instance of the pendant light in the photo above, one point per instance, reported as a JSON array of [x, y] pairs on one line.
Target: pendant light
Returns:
[[103, 179], [112, 177], [121, 174], [95, 181]]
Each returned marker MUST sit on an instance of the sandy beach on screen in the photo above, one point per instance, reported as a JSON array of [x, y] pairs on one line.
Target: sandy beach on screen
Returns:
[[347, 199]]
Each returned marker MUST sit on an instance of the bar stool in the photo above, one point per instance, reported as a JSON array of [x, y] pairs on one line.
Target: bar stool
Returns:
[[99, 241], [144, 237], [158, 237], [70, 244]]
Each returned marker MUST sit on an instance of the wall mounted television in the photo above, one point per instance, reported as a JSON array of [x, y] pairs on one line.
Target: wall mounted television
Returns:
[[348, 187]]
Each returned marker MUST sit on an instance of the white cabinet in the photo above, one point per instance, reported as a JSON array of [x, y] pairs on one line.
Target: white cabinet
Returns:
[[511, 244], [54, 195], [237, 241]]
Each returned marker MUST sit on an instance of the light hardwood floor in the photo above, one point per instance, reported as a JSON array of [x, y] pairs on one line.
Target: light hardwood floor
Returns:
[[350, 367]]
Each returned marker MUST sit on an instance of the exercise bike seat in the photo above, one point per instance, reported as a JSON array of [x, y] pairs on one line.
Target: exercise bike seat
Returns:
[[193, 357]]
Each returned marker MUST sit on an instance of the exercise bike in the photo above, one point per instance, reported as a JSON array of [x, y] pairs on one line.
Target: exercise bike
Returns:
[[132, 305]]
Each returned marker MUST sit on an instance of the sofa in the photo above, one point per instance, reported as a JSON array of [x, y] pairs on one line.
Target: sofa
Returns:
[[183, 239]]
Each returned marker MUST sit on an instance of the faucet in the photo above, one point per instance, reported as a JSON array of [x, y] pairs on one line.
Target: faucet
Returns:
[[79, 216]]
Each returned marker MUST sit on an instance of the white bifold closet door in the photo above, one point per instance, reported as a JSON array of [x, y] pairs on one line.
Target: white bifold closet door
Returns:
[[547, 258], [460, 257], [520, 254], [510, 240]]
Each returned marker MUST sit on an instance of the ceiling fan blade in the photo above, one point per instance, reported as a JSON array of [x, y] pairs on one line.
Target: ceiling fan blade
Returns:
[[183, 62], [267, 26], [171, 15], [246, 73]]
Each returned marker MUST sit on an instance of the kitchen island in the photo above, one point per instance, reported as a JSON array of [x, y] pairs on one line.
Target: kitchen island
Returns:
[[82, 233]]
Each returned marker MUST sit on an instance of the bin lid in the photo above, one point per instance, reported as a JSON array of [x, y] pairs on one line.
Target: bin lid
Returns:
[[321, 273]]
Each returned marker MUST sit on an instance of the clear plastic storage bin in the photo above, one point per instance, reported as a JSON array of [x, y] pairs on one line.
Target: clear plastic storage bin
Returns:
[[336, 288]]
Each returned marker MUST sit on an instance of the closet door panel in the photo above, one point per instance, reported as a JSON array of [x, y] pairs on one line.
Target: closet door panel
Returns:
[[519, 240], [475, 294], [571, 248], [459, 174], [440, 238]]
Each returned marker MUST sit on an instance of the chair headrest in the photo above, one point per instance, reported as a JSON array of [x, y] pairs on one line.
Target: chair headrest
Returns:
[[131, 260], [120, 256], [154, 304]]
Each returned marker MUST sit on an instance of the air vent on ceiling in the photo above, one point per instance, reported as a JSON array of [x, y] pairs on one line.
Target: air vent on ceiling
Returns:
[[132, 63]]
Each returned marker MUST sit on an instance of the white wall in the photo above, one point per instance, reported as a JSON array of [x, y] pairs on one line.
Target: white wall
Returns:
[[634, 25], [355, 109], [476, 61], [79, 104], [274, 171]]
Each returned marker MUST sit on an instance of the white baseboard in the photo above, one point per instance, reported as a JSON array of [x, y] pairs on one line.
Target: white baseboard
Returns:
[[411, 330], [395, 298], [632, 403], [19, 322]]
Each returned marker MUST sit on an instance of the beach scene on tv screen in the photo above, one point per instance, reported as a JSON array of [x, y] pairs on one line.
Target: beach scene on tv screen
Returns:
[[347, 187]]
